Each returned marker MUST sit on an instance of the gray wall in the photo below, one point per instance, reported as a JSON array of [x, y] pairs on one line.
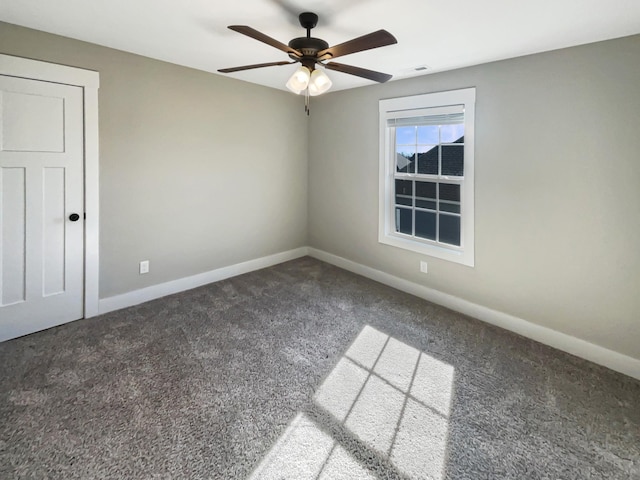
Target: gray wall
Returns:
[[557, 189], [197, 171]]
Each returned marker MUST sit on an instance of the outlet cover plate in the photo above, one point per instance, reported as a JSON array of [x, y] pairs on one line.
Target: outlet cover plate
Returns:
[[144, 267]]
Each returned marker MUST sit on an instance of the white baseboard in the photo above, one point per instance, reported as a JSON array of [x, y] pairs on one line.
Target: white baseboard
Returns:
[[156, 291], [575, 346]]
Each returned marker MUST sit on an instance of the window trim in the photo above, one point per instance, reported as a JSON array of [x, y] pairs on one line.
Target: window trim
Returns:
[[406, 107]]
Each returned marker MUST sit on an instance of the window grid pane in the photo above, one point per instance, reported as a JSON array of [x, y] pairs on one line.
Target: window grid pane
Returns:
[[428, 210], [450, 229]]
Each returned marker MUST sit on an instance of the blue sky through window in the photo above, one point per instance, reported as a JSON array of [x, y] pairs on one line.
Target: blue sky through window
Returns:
[[428, 134]]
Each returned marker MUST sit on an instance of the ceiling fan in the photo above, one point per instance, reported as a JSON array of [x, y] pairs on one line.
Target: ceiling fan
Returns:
[[310, 52]]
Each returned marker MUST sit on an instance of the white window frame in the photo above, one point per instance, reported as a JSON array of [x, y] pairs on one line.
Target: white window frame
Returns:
[[414, 106]]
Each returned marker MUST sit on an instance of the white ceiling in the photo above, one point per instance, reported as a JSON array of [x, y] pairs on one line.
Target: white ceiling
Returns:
[[441, 34]]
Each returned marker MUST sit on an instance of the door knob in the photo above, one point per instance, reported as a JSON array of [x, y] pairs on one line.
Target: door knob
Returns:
[[74, 217]]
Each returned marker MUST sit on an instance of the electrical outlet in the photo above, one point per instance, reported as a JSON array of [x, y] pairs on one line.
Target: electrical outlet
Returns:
[[144, 267], [423, 266]]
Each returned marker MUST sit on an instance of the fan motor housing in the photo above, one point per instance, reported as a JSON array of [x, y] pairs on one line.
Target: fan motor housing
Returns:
[[308, 46]]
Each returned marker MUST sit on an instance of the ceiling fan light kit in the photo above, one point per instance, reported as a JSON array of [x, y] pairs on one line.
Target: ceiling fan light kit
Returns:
[[299, 80], [319, 83], [310, 52], [316, 82]]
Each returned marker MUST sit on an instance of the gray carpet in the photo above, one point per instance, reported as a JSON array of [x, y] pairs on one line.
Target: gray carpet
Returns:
[[305, 371]]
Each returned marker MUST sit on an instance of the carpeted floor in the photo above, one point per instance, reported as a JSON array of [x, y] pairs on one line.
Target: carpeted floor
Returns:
[[305, 371]]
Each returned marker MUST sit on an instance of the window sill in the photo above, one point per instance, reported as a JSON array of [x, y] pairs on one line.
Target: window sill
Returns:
[[450, 254]]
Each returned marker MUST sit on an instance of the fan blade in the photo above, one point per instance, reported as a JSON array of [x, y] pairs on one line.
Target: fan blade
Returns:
[[359, 72], [381, 38], [257, 65], [261, 37]]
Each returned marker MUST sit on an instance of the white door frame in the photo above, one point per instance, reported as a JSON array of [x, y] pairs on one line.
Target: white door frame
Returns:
[[90, 82]]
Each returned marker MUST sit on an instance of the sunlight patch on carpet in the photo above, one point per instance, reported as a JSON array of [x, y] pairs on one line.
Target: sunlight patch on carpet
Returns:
[[304, 452], [393, 398]]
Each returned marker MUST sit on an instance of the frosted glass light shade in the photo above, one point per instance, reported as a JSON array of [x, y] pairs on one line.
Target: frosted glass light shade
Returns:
[[299, 80], [319, 83]]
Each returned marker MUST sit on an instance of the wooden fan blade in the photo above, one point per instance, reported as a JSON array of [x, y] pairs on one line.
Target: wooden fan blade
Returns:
[[261, 37], [257, 65], [359, 72], [381, 38]]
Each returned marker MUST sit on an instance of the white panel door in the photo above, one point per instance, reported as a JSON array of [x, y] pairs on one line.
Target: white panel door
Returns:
[[41, 187]]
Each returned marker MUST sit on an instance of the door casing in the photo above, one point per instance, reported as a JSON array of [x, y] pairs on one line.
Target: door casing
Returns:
[[90, 82]]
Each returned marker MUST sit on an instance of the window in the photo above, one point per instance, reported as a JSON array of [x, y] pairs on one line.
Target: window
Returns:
[[426, 174]]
